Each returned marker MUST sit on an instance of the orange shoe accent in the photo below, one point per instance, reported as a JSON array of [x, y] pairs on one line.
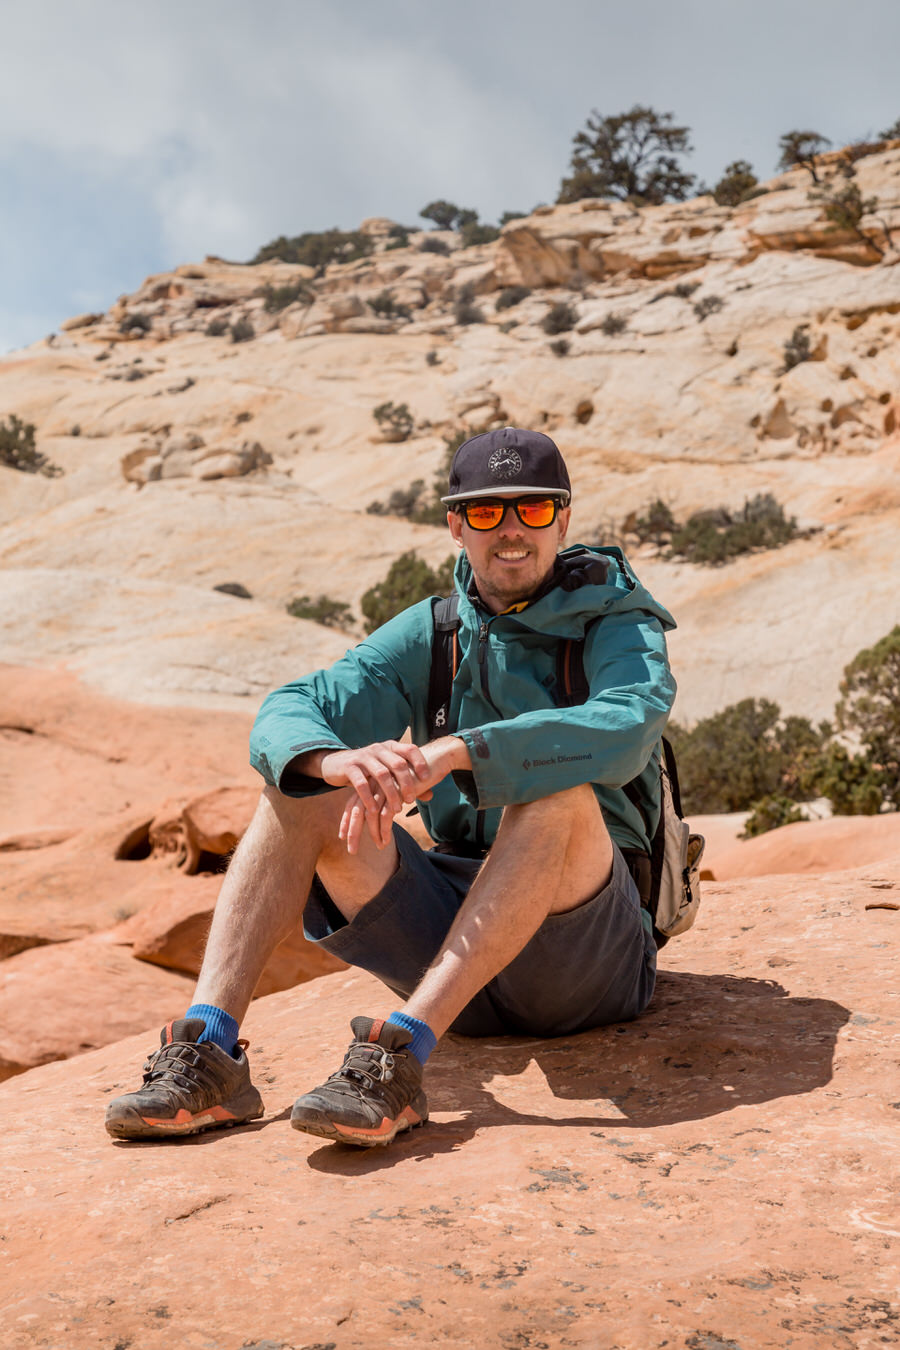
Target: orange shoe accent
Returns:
[[184, 1117], [169, 1037], [406, 1117], [376, 1029]]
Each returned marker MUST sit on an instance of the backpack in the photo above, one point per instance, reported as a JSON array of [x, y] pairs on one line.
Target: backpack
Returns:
[[668, 878]]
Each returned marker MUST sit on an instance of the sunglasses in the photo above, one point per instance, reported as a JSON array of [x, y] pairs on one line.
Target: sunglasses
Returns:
[[487, 513]]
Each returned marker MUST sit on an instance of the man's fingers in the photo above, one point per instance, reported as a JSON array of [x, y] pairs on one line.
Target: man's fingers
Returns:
[[356, 819], [386, 789], [405, 775], [413, 757], [358, 780]]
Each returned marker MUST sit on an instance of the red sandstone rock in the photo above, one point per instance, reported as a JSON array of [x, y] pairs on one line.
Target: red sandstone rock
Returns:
[[63, 999], [719, 1173], [77, 887], [27, 840], [172, 932], [74, 756], [212, 823], [811, 846], [216, 821], [85, 777]]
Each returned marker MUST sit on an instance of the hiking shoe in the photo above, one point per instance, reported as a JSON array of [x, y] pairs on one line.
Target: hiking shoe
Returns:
[[376, 1093], [187, 1088]]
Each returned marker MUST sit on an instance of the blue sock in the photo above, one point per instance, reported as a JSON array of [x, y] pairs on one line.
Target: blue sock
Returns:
[[423, 1038], [220, 1026]]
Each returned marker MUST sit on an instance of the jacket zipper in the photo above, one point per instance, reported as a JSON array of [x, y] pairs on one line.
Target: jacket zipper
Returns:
[[482, 665]]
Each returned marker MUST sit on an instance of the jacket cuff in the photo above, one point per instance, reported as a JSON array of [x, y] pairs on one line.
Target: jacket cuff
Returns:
[[288, 779]]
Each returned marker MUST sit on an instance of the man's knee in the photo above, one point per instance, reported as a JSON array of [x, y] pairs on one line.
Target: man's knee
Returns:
[[289, 821], [572, 809]]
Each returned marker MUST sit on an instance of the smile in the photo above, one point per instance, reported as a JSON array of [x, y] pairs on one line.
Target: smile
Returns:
[[512, 554]]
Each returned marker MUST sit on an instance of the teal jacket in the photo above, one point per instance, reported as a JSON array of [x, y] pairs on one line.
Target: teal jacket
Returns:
[[523, 746]]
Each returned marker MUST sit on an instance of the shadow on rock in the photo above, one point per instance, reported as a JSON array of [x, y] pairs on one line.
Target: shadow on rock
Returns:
[[706, 1044]]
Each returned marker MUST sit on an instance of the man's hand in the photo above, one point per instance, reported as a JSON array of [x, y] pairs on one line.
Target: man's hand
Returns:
[[385, 777]]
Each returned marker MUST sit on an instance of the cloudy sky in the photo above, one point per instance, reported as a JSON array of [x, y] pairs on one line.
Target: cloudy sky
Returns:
[[134, 136]]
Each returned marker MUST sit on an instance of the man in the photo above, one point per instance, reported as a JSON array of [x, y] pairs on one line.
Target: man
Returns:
[[525, 918]]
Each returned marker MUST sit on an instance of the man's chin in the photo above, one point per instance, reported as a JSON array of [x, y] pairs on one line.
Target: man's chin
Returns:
[[511, 588]]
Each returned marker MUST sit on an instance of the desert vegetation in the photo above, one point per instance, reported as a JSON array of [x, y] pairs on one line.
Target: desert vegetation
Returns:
[[560, 318], [448, 216], [419, 503], [714, 535], [242, 330], [135, 323], [277, 298], [395, 421], [409, 580], [19, 451], [797, 349], [510, 296], [386, 307], [465, 310], [324, 609], [736, 185], [750, 757], [634, 156], [317, 248]]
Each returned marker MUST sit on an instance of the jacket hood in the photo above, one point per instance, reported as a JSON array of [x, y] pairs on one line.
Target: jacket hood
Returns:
[[585, 583]]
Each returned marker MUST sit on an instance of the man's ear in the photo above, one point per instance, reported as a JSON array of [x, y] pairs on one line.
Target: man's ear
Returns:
[[454, 522], [563, 517]]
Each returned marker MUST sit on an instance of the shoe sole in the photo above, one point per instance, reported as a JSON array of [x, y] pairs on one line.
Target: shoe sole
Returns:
[[360, 1138], [130, 1124]]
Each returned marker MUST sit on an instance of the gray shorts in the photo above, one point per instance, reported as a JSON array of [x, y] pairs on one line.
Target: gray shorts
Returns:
[[590, 966]]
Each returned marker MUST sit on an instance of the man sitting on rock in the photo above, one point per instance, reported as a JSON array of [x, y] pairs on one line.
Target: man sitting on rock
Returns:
[[524, 918]]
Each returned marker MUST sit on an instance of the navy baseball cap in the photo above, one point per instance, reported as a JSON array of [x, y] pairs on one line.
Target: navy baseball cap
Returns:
[[508, 460]]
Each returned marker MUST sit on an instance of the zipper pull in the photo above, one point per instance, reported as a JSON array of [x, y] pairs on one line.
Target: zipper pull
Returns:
[[482, 641]]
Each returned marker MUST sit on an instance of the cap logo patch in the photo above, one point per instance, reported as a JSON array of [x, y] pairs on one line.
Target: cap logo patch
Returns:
[[505, 463]]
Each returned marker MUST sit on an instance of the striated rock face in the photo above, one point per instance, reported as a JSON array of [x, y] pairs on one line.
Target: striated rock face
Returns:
[[735, 1146], [200, 459]]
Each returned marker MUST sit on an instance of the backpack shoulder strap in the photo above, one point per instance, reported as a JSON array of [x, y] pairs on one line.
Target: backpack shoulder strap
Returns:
[[444, 661], [571, 682], [672, 770]]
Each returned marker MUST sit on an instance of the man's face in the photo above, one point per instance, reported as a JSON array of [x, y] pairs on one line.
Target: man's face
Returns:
[[512, 561]]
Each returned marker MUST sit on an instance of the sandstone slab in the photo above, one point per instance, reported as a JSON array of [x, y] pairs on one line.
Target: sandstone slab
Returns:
[[811, 846], [719, 1173], [61, 1000], [172, 933], [69, 891]]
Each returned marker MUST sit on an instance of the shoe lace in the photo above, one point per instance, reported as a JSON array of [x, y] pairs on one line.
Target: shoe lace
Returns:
[[180, 1062], [366, 1063]]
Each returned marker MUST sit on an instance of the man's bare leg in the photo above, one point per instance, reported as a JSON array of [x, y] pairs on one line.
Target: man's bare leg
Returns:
[[192, 1085], [549, 856], [267, 883]]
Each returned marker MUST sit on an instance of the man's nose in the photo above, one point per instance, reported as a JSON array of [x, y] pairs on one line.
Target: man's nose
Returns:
[[514, 533], [511, 524]]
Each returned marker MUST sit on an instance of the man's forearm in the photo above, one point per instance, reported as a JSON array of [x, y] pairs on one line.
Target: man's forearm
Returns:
[[310, 763]]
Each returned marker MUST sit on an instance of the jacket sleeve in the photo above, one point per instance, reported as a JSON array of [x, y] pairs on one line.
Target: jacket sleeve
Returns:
[[606, 740], [367, 696]]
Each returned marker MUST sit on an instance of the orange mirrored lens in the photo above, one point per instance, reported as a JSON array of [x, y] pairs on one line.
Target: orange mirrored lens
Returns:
[[484, 516], [536, 513]]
